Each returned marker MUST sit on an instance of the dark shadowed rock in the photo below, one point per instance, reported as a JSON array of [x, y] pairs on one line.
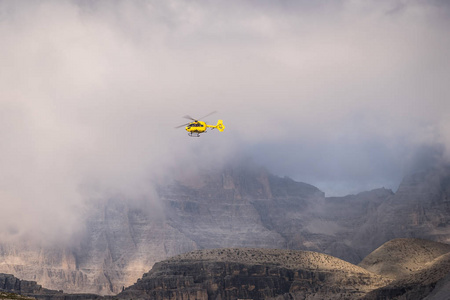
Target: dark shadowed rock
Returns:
[[12, 284], [14, 288]]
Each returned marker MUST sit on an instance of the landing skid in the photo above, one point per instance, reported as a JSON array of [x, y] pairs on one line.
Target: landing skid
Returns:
[[194, 134]]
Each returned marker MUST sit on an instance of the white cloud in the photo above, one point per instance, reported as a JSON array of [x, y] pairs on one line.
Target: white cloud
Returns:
[[90, 92]]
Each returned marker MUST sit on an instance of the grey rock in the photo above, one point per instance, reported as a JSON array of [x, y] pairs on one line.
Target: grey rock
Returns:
[[399, 269], [239, 206]]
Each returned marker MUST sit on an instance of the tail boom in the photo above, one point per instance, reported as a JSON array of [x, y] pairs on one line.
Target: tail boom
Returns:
[[219, 126]]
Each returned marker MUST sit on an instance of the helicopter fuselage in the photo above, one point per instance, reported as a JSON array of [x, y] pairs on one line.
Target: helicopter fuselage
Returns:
[[196, 127]]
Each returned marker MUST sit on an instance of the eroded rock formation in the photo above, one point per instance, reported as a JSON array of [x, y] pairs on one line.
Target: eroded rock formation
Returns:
[[400, 269], [253, 274], [238, 206]]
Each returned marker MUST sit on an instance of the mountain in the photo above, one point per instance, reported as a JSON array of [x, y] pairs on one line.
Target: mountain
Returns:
[[240, 205], [420, 269], [243, 273], [419, 209], [400, 269]]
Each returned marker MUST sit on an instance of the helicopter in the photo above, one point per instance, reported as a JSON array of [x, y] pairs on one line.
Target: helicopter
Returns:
[[196, 127]]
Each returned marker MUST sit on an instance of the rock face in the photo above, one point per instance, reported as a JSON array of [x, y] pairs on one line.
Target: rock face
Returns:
[[419, 209], [12, 284], [52, 267], [253, 274], [400, 269], [238, 206]]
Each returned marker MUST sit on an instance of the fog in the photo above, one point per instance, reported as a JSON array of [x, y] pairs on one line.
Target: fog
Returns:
[[345, 95]]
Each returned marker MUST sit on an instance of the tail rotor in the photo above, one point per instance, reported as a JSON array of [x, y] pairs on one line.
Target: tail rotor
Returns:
[[220, 125]]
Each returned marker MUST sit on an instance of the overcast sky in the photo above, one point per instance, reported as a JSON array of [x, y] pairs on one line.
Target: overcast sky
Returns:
[[345, 95]]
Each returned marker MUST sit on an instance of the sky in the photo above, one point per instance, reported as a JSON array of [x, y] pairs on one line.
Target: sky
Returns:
[[345, 95]]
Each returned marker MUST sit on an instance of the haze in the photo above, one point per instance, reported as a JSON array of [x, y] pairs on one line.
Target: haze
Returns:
[[345, 95]]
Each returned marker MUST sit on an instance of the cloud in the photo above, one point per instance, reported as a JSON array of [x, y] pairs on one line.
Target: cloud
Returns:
[[339, 94]]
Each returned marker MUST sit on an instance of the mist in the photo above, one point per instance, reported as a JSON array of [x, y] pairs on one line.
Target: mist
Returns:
[[344, 95]]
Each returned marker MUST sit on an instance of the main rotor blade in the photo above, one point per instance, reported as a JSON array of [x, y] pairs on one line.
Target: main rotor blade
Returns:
[[189, 117], [182, 125], [207, 115]]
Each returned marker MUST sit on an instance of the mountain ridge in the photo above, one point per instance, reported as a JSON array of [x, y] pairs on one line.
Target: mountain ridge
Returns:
[[234, 273], [254, 273], [237, 206], [294, 274]]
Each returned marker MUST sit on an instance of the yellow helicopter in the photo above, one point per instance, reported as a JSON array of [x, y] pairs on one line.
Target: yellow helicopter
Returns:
[[196, 127]]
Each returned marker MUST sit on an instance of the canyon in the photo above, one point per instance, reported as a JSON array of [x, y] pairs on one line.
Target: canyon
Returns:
[[399, 269], [240, 205]]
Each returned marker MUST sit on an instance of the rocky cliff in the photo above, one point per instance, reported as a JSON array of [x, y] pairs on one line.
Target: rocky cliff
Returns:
[[253, 274], [400, 269], [12, 288], [419, 209], [10, 283], [239, 206]]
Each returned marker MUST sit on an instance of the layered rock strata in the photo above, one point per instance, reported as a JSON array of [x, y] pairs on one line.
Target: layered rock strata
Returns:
[[16, 289], [400, 269], [253, 274], [238, 206]]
